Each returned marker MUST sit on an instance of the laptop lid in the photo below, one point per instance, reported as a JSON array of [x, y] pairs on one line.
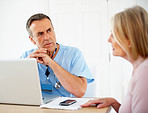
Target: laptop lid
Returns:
[[19, 82]]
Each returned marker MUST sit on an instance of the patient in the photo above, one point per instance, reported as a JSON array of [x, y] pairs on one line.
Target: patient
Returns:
[[129, 40]]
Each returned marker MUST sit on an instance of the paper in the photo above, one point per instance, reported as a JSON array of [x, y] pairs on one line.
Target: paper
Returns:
[[55, 103]]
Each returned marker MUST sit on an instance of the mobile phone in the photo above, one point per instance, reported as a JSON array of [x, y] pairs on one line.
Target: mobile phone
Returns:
[[67, 102]]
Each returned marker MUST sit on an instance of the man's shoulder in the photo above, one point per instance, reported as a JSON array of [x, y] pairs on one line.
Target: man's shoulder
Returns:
[[30, 51], [70, 49], [26, 53]]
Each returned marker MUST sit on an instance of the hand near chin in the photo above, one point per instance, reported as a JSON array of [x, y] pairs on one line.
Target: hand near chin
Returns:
[[100, 102], [41, 56]]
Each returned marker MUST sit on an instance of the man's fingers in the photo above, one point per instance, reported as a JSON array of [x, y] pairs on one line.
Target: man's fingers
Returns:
[[38, 55], [39, 61], [41, 50]]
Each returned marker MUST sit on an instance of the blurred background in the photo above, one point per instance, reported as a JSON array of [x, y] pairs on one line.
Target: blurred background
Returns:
[[84, 24]]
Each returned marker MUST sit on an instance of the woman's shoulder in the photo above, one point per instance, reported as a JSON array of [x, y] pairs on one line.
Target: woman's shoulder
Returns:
[[141, 73], [143, 68]]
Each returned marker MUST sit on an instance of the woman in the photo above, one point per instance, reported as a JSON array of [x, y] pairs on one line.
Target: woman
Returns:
[[129, 39]]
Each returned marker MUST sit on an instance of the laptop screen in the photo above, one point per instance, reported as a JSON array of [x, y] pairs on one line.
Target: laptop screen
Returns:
[[19, 82]]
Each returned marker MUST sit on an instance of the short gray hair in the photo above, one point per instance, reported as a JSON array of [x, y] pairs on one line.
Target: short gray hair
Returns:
[[33, 18]]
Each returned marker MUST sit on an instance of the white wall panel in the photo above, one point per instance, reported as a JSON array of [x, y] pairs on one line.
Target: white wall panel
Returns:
[[14, 14], [84, 24], [143, 3]]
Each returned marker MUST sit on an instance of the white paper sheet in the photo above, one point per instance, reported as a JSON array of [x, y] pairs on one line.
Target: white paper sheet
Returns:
[[55, 103]]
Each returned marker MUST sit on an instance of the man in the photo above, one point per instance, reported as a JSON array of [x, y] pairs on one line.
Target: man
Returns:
[[62, 69]]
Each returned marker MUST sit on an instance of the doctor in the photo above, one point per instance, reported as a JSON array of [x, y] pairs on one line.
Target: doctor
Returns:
[[62, 69]]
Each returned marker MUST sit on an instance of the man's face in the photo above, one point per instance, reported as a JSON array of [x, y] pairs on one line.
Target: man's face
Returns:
[[43, 35]]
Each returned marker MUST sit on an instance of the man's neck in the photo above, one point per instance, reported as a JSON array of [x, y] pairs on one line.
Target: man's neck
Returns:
[[52, 54]]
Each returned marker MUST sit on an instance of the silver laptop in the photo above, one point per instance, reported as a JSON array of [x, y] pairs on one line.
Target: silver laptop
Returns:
[[19, 82]]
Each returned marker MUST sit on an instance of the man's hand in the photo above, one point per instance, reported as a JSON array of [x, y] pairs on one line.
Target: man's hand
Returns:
[[40, 55]]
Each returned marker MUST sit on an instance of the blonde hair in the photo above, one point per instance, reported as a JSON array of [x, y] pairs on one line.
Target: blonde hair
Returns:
[[132, 25]]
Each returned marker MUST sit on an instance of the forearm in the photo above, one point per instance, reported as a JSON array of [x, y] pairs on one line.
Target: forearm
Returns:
[[73, 84], [115, 104]]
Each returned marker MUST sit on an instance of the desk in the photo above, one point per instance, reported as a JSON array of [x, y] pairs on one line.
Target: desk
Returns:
[[5, 108]]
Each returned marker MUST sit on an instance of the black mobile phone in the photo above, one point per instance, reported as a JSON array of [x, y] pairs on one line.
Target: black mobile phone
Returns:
[[67, 102]]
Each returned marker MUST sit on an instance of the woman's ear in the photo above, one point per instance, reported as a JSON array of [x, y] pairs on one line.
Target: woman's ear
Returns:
[[32, 40], [129, 45]]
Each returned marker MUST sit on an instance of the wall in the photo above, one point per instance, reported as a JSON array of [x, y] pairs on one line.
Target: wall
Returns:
[[84, 24], [13, 35]]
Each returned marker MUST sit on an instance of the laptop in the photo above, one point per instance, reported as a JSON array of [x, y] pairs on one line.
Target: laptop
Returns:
[[19, 82]]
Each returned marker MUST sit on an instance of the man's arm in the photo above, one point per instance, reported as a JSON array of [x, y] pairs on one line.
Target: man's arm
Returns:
[[73, 84]]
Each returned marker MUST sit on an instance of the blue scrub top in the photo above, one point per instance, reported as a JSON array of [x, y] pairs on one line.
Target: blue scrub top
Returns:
[[71, 59]]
